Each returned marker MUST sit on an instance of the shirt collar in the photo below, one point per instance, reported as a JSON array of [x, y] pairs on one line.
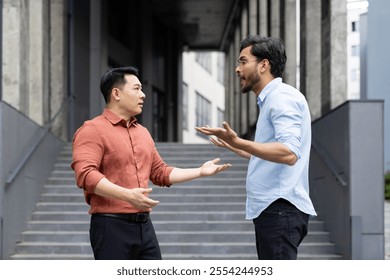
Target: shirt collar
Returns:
[[115, 119], [268, 89]]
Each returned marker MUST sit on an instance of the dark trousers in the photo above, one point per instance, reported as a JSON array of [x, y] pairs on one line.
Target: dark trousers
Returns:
[[119, 239], [280, 229]]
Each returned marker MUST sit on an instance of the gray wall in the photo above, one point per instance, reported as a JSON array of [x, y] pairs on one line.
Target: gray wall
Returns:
[[346, 177], [18, 199], [375, 62]]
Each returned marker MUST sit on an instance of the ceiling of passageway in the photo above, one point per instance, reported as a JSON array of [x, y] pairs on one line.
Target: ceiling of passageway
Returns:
[[203, 24]]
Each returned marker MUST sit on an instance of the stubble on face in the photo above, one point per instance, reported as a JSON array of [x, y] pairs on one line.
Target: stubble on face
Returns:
[[249, 81]]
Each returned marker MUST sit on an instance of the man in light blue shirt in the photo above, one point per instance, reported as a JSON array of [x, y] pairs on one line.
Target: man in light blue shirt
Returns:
[[277, 185]]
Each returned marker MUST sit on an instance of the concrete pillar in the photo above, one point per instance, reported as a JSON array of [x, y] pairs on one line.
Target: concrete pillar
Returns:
[[230, 60], [96, 100], [147, 63], [58, 66], [334, 54], [15, 41], [275, 18], [290, 40], [338, 47], [236, 92], [38, 61], [253, 17], [310, 57], [263, 18], [243, 98]]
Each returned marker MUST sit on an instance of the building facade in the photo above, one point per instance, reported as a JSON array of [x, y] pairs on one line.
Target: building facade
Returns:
[[355, 9], [203, 93]]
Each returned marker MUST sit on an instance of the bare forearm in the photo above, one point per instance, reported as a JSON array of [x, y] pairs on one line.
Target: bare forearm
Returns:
[[208, 168], [136, 197], [179, 175], [108, 189], [239, 152], [274, 152]]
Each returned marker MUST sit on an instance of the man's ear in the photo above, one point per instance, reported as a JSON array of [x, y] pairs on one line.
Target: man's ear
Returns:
[[115, 94], [264, 65]]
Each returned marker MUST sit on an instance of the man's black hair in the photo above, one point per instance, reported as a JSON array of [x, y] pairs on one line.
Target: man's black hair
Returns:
[[269, 48], [115, 78]]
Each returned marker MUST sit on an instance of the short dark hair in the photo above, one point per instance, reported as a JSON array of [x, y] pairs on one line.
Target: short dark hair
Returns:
[[269, 48], [115, 77]]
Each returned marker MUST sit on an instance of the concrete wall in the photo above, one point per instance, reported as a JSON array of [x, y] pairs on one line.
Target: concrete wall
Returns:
[[346, 179], [18, 198], [34, 58]]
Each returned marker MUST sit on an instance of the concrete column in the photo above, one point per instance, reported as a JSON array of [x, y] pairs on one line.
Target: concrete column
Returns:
[[96, 100], [338, 58], [253, 16], [263, 18], [230, 63], [334, 54], [311, 82], [147, 64], [236, 92], [14, 42], [38, 59], [275, 18], [290, 40], [58, 66], [243, 98]]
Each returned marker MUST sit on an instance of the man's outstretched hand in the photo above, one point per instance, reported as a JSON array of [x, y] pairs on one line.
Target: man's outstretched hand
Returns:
[[224, 133], [211, 167]]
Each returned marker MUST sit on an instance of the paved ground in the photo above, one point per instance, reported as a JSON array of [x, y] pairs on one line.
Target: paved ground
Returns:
[[387, 230]]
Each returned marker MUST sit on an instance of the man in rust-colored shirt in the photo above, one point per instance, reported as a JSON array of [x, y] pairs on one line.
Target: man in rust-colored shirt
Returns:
[[114, 157]]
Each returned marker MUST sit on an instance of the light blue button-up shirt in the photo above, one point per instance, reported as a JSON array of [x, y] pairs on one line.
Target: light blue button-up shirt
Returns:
[[284, 118]]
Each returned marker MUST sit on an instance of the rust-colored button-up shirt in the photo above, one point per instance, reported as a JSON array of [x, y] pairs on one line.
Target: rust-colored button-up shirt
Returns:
[[106, 147]]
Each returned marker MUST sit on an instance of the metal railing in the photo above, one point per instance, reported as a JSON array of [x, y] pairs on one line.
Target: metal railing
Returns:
[[38, 140], [329, 163]]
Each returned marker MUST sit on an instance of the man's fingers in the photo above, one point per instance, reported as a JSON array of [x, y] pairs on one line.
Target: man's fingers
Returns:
[[148, 190], [226, 126]]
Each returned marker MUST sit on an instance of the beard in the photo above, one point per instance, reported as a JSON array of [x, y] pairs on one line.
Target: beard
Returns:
[[250, 82]]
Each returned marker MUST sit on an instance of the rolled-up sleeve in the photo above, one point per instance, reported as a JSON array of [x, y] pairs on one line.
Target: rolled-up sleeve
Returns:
[[287, 120], [87, 156], [160, 171]]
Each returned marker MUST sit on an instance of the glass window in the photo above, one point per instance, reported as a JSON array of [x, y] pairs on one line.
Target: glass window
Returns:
[[355, 26], [204, 59], [221, 68], [355, 51], [203, 112]]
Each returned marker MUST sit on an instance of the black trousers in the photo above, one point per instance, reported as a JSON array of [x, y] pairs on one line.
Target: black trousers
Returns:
[[280, 229], [118, 239]]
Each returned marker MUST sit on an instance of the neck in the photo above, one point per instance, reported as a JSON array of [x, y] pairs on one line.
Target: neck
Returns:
[[119, 113]]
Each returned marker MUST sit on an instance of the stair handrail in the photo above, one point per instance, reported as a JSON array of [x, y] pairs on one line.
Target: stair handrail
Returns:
[[38, 140], [328, 162]]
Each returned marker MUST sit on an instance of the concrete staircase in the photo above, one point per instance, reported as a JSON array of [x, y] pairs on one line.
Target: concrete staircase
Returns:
[[201, 219]]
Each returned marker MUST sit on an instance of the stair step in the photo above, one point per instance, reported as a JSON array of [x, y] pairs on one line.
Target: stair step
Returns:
[[53, 256], [59, 225], [53, 248]]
